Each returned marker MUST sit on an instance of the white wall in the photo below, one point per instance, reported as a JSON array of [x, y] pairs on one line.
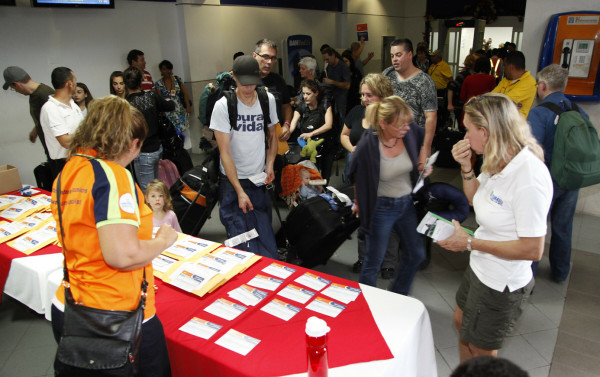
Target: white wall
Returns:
[[92, 42], [537, 15], [198, 37]]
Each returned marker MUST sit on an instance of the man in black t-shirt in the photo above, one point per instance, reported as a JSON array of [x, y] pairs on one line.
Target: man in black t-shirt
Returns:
[[266, 55], [18, 80]]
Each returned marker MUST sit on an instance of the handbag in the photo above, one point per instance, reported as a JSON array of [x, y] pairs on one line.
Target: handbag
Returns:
[[171, 139], [96, 342]]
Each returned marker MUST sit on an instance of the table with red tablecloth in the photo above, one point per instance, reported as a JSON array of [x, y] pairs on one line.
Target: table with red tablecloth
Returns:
[[8, 254], [356, 344], [380, 333]]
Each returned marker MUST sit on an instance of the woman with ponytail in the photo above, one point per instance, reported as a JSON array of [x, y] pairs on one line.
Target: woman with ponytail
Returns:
[[384, 168]]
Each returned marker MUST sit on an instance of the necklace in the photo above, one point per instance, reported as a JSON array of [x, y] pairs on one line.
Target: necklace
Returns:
[[390, 146]]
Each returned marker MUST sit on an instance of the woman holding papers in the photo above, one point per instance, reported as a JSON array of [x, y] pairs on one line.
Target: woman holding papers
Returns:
[[107, 226], [511, 198], [384, 168]]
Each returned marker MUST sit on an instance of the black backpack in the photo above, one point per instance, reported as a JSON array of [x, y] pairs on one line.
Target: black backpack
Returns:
[[263, 99]]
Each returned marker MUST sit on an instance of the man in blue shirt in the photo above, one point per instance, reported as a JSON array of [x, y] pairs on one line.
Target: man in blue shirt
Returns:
[[552, 82]]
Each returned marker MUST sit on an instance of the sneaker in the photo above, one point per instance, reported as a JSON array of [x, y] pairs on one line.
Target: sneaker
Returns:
[[387, 273], [357, 266]]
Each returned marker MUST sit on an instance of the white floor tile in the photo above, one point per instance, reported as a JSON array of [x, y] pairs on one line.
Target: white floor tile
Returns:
[[519, 351], [533, 320], [543, 342], [451, 356], [539, 372], [443, 369]]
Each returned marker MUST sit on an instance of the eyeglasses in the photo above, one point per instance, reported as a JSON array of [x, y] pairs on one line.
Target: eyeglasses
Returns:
[[267, 57]]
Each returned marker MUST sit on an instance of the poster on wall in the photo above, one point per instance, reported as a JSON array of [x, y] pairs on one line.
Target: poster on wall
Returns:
[[297, 46], [362, 32]]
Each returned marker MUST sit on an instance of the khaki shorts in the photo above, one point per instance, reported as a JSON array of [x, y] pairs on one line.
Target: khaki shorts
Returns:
[[488, 315]]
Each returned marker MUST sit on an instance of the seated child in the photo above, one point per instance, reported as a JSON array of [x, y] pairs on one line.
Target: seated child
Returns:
[[307, 190], [159, 200]]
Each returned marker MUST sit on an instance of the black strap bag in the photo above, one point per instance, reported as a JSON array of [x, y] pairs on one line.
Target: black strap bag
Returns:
[[96, 342]]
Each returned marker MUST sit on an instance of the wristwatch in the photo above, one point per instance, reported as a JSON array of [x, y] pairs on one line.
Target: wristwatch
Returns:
[[469, 243]]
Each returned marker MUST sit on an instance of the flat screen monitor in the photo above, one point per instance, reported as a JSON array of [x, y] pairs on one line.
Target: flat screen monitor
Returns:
[[74, 3]]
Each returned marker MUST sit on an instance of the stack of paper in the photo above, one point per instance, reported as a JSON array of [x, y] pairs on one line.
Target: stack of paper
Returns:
[[34, 240]]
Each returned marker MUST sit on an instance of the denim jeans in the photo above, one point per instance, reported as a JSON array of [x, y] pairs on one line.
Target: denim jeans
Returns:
[[562, 211], [146, 167], [237, 222], [398, 214]]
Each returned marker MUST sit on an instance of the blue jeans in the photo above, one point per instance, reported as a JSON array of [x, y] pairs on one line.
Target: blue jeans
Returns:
[[237, 222], [399, 214], [562, 211], [146, 167]]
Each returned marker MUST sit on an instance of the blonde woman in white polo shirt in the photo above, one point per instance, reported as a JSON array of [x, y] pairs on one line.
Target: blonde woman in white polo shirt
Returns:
[[511, 198]]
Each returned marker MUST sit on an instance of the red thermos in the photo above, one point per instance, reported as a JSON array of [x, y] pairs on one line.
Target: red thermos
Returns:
[[316, 347]]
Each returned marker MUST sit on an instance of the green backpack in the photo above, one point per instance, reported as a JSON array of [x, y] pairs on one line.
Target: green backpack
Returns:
[[576, 154]]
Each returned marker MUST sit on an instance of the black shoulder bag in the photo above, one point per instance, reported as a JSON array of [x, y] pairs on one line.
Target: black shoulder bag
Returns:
[[96, 342]]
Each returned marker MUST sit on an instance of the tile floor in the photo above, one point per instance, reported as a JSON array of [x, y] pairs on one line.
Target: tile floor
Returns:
[[27, 347]]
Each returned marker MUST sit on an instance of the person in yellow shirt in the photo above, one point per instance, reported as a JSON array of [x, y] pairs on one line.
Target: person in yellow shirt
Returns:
[[440, 72], [517, 84]]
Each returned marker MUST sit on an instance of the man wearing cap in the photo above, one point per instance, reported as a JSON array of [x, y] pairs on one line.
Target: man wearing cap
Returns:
[[440, 73], [17, 79], [244, 205], [60, 117], [265, 54]]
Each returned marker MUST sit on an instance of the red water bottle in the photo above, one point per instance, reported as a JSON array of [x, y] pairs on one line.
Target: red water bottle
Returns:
[[316, 347]]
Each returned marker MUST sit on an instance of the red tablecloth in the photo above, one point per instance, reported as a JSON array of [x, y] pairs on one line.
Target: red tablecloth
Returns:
[[354, 336], [7, 253]]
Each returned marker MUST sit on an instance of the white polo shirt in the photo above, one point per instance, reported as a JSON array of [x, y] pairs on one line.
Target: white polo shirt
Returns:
[[59, 119], [511, 204]]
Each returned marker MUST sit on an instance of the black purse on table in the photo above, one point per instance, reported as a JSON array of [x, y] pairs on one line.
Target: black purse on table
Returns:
[[96, 342]]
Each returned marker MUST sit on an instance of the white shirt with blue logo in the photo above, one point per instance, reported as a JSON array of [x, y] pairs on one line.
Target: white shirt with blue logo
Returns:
[[511, 204]]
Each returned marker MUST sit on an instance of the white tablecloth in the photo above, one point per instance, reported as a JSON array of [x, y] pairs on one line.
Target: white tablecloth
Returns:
[[27, 279], [405, 326]]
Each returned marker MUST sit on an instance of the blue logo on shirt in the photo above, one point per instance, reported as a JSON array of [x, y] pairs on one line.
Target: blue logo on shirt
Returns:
[[249, 123], [496, 199]]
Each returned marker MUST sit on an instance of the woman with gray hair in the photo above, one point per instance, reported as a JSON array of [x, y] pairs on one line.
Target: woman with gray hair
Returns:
[[511, 198]]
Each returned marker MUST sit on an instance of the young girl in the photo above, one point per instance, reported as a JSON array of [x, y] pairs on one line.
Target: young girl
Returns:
[[82, 97], [159, 199]]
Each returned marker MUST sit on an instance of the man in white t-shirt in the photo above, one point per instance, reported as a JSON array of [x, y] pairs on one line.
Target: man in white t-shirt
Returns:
[[245, 206], [60, 117]]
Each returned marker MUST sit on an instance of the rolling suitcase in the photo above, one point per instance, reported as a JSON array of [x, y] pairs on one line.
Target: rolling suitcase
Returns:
[[314, 230], [444, 140], [195, 194]]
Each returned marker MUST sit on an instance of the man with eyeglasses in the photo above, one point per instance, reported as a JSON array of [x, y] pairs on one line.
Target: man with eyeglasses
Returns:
[[18, 80], [265, 54]]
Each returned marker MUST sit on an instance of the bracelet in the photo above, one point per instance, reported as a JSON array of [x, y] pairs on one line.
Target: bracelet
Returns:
[[469, 240], [469, 177], [286, 124], [465, 172]]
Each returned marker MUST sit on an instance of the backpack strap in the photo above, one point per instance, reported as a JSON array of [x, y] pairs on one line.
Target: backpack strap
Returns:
[[231, 107], [263, 98], [553, 107]]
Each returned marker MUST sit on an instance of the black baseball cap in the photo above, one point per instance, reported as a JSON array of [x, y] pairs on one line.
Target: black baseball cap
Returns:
[[246, 70]]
